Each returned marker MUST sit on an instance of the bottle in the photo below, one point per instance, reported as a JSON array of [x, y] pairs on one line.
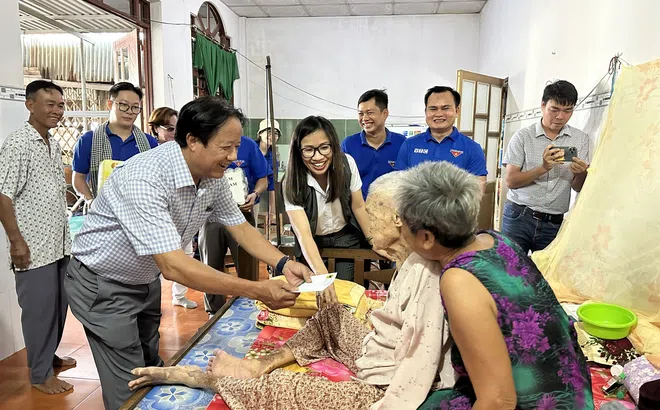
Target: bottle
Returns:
[[616, 381]]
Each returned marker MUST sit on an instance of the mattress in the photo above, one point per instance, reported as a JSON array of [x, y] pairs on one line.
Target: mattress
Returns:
[[234, 332]]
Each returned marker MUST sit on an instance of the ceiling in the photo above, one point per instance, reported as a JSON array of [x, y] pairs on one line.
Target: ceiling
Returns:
[[72, 15], [332, 8]]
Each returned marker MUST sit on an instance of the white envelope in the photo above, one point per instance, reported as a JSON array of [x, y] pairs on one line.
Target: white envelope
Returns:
[[318, 284]]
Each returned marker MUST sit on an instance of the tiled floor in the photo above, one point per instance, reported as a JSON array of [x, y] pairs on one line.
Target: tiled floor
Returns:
[[178, 325]]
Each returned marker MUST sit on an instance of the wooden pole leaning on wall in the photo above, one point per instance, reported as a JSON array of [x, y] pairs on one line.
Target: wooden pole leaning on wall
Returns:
[[270, 114]]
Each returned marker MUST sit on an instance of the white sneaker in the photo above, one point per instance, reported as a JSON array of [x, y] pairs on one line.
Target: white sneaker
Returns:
[[184, 302]]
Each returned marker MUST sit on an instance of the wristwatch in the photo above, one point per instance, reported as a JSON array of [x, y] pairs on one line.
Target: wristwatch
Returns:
[[280, 265], [257, 194]]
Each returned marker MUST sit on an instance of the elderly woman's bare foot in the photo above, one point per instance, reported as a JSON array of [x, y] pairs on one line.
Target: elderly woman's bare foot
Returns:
[[223, 364]]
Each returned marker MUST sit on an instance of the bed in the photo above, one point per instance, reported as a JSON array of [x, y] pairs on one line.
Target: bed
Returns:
[[232, 329]]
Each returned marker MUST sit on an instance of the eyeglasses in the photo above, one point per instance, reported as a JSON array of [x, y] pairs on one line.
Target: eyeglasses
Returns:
[[309, 152], [168, 129], [123, 107]]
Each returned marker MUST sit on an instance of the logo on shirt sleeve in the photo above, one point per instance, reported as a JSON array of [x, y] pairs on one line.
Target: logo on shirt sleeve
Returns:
[[239, 162], [421, 151], [392, 163], [455, 152]]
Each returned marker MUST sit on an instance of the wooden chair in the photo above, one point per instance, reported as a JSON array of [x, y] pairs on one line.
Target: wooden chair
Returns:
[[247, 266], [487, 211], [359, 256], [332, 254]]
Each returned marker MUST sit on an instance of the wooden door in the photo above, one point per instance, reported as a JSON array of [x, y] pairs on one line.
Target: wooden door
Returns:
[[482, 112]]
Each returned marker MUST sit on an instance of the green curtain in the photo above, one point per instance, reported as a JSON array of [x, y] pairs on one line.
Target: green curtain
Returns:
[[220, 66]]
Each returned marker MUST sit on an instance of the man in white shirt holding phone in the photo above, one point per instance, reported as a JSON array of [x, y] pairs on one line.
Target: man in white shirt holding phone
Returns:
[[544, 161]]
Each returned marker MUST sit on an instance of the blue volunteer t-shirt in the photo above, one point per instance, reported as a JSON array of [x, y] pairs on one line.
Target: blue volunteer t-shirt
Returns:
[[372, 162], [121, 150], [250, 159], [456, 148]]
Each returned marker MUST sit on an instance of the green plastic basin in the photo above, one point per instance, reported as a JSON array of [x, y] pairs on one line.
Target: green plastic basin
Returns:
[[606, 321]]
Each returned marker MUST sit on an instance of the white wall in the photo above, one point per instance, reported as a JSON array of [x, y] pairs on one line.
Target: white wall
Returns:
[[338, 58], [172, 53], [11, 74], [534, 42]]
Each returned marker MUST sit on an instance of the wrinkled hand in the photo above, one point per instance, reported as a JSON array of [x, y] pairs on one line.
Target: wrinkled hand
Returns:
[[19, 253], [149, 376], [146, 376], [578, 166], [277, 294], [296, 273], [249, 202], [327, 297], [551, 156]]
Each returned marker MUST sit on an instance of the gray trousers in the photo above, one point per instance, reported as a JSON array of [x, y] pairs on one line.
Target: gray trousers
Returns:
[[41, 296], [121, 323], [214, 240]]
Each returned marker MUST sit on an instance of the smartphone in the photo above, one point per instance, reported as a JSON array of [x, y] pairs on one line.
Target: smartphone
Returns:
[[569, 154]]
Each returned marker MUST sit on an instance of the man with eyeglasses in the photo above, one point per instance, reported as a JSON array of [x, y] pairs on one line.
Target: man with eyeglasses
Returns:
[[117, 139], [375, 148]]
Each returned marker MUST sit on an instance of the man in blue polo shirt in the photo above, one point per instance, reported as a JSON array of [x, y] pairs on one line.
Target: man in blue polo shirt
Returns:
[[375, 148], [442, 141], [214, 238], [117, 139]]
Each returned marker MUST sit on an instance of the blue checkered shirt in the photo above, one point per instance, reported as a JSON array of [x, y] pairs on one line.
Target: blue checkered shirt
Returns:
[[148, 206]]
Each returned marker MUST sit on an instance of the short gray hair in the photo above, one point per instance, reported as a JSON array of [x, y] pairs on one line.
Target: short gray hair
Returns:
[[386, 184], [442, 199]]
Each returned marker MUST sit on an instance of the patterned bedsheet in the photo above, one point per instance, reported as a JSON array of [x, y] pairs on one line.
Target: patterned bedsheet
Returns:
[[234, 333]]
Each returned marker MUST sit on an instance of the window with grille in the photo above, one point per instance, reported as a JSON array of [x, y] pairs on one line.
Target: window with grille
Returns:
[[208, 22]]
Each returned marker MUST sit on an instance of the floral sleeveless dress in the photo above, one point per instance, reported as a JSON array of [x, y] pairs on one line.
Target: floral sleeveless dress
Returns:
[[549, 369]]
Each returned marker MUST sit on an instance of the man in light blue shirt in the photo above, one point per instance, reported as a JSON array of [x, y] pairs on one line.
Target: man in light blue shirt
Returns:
[[148, 210]]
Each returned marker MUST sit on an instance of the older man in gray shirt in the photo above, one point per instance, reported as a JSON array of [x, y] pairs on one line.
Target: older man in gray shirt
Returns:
[[538, 178]]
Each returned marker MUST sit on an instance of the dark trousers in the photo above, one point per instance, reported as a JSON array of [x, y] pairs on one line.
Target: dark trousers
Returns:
[[44, 306], [214, 240], [347, 238], [529, 232], [121, 324]]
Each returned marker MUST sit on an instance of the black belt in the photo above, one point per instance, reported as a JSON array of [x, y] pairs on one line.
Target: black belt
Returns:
[[541, 216]]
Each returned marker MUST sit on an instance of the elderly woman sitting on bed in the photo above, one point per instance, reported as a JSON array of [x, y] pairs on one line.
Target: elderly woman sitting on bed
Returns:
[[396, 364], [514, 344]]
